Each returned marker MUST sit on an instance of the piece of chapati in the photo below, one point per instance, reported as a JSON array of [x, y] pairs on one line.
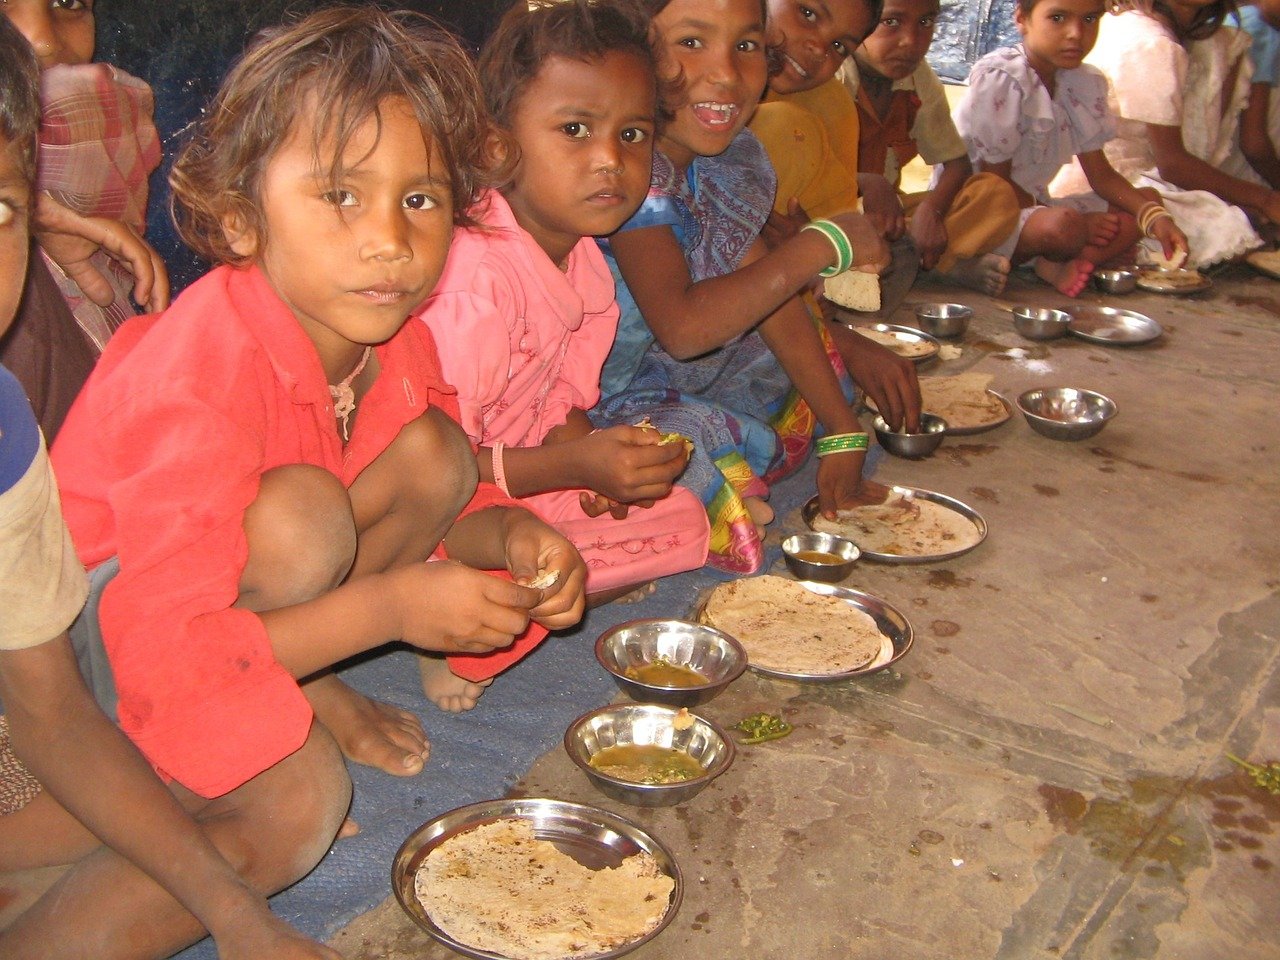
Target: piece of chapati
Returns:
[[788, 629], [499, 888], [920, 528]]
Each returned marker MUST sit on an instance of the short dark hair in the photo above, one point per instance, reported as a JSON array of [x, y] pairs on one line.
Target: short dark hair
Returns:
[[348, 59], [19, 95], [534, 31]]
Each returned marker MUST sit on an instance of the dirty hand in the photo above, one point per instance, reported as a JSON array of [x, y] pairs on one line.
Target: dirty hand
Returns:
[[536, 551], [888, 379]]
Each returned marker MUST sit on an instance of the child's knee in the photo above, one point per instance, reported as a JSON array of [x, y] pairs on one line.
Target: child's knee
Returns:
[[439, 469], [1062, 233], [302, 535], [292, 813]]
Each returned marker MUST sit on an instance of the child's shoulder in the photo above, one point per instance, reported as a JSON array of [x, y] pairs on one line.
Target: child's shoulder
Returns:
[[1003, 62]]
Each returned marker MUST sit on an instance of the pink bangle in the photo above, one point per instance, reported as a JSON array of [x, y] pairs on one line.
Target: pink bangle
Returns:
[[499, 473]]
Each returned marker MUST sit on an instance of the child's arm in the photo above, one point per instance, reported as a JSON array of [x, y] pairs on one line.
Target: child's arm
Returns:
[[1255, 138], [97, 775], [691, 318], [513, 539], [792, 336], [1107, 183], [926, 226], [1182, 169]]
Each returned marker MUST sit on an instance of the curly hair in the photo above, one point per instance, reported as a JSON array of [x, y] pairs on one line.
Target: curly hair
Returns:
[[19, 95], [345, 61]]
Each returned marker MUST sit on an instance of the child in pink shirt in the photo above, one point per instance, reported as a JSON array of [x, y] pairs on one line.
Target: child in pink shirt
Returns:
[[524, 314]]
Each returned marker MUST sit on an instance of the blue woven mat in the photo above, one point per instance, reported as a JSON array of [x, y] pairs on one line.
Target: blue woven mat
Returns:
[[481, 754]]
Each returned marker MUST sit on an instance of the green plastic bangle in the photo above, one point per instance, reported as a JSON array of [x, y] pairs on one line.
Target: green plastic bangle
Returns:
[[838, 239], [842, 443]]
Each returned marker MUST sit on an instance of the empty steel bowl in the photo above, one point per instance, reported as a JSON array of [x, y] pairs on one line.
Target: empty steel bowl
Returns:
[[944, 319], [647, 724], [1040, 323], [1065, 413], [1116, 281], [912, 445], [844, 552], [712, 653]]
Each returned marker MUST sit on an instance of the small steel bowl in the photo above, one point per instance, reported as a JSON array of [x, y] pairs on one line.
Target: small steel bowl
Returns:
[[647, 723], [944, 319], [1040, 323], [913, 446], [1065, 413], [1116, 281], [713, 653], [841, 547]]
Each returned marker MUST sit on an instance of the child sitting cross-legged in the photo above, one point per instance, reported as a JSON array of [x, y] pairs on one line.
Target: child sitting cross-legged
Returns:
[[903, 113], [524, 314], [258, 476], [1029, 109]]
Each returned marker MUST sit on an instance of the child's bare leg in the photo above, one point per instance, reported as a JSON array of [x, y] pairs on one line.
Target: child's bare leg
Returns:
[[1057, 237], [987, 273], [446, 689], [273, 830], [302, 543], [404, 503]]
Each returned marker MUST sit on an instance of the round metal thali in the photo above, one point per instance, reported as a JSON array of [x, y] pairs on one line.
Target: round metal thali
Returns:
[[594, 837], [810, 511], [1112, 326], [923, 346]]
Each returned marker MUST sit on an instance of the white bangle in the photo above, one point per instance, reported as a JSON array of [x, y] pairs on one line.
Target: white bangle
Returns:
[[499, 471]]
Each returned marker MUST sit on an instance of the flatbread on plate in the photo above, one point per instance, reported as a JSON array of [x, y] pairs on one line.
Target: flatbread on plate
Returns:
[[962, 400], [902, 346], [919, 529], [788, 629], [498, 888]]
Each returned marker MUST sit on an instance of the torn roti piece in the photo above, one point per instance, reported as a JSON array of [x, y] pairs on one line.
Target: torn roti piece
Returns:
[[546, 578]]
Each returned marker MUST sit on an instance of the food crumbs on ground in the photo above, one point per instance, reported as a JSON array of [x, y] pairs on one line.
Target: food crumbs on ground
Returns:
[[683, 720], [760, 727]]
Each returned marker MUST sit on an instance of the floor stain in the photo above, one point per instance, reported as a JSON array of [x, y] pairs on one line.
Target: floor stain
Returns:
[[1096, 358], [1148, 597], [1195, 477], [985, 494], [1262, 303], [959, 453], [1045, 490], [1233, 333], [943, 650], [946, 580]]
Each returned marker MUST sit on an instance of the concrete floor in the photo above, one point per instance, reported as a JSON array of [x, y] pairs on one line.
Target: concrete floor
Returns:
[[1044, 776]]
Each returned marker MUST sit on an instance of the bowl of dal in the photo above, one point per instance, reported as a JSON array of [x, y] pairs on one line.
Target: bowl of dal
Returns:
[[648, 754], [672, 662]]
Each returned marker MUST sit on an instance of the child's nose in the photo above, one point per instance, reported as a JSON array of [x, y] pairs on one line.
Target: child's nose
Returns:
[[608, 155], [385, 236], [36, 24]]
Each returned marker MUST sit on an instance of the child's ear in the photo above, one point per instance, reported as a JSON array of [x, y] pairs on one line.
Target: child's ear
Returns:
[[240, 237], [1019, 20]]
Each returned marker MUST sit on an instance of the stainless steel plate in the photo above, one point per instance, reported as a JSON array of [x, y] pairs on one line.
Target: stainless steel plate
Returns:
[[1112, 326], [594, 837], [904, 339], [983, 427], [810, 511], [1177, 283], [895, 627]]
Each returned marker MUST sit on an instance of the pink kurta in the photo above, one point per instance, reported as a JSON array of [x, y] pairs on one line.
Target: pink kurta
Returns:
[[523, 343]]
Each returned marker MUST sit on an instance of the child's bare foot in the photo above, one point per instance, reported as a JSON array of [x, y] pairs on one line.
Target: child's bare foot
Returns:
[[760, 512], [446, 689], [1102, 227], [1068, 278], [375, 734], [987, 274]]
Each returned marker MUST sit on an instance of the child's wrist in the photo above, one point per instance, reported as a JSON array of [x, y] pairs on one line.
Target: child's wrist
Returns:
[[839, 241]]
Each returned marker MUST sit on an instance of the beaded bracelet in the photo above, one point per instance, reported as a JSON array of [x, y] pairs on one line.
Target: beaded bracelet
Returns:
[[840, 240], [841, 443], [499, 469]]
